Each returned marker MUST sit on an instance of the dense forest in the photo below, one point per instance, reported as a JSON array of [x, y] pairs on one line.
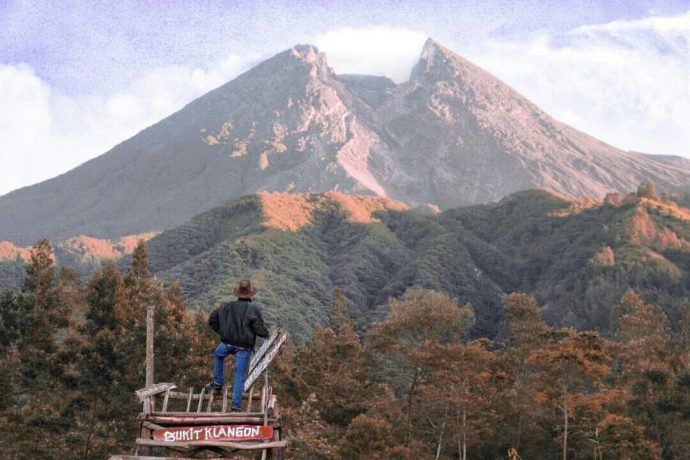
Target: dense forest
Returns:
[[576, 257], [415, 385]]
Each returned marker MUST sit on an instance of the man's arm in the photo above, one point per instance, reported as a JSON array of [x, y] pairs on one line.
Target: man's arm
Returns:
[[257, 324], [213, 321]]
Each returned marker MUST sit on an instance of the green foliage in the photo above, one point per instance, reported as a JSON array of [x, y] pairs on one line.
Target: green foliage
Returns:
[[417, 388], [421, 384]]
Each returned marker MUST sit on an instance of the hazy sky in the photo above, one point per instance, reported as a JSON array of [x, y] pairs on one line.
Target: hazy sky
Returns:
[[78, 77]]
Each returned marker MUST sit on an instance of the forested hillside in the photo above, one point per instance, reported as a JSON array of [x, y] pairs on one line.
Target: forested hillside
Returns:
[[416, 385], [577, 257], [82, 254]]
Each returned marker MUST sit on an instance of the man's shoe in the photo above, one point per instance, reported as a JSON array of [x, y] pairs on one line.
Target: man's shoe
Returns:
[[236, 409], [213, 386]]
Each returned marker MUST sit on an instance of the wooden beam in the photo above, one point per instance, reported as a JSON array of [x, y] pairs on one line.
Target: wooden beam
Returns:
[[263, 364], [210, 402], [202, 420], [165, 401], [189, 398], [151, 426], [201, 399], [204, 414], [256, 357], [223, 444], [149, 345], [195, 396], [152, 390], [139, 457]]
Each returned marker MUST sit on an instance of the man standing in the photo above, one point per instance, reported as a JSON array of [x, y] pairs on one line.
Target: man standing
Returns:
[[238, 323]]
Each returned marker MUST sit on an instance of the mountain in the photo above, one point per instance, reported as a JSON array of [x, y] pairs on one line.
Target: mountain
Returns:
[[577, 256], [297, 248], [452, 135]]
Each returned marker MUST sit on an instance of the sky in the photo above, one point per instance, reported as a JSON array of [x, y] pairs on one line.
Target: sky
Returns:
[[79, 77]]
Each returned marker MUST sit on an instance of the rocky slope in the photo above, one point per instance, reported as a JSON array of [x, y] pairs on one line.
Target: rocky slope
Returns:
[[452, 135]]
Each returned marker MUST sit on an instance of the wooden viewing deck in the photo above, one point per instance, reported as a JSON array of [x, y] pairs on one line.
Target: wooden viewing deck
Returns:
[[190, 423]]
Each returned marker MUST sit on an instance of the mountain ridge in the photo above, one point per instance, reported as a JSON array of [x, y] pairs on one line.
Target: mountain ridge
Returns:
[[453, 135], [576, 256]]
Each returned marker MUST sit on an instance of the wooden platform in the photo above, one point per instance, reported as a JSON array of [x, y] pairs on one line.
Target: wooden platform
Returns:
[[191, 423]]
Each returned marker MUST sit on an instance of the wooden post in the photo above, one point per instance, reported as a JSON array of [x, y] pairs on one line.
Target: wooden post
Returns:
[[149, 345]]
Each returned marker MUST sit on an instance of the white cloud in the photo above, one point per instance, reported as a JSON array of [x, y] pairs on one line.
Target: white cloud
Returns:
[[625, 82], [374, 51], [44, 133]]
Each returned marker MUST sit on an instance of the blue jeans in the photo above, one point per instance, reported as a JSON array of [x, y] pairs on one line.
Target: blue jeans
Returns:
[[242, 356]]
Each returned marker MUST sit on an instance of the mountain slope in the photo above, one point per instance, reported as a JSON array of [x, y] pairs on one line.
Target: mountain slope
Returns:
[[578, 257], [276, 127], [453, 135], [464, 137]]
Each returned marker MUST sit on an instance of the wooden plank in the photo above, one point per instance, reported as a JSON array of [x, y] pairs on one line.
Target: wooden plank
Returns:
[[153, 390], [222, 444], [165, 400], [189, 398], [139, 457], [272, 409], [201, 399], [225, 399], [241, 418], [264, 362], [262, 350], [151, 426], [194, 415], [180, 395], [215, 433], [149, 345], [210, 401]]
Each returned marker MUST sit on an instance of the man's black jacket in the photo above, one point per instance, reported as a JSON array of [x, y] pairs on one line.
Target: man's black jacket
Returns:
[[238, 323]]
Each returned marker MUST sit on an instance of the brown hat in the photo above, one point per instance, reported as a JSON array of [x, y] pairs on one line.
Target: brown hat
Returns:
[[244, 290]]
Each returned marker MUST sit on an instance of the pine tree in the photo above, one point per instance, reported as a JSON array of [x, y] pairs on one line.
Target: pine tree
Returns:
[[644, 355], [331, 367], [573, 365], [527, 412], [405, 344]]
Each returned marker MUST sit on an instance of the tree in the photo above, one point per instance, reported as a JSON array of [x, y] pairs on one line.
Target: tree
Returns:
[[46, 316], [527, 404], [13, 323], [34, 362], [404, 346], [467, 384], [643, 333], [331, 368], [645, 359], [575, 363], [366, 437], [647, 190]]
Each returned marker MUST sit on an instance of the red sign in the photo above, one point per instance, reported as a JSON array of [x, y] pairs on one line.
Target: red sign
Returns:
[[215, 433]]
